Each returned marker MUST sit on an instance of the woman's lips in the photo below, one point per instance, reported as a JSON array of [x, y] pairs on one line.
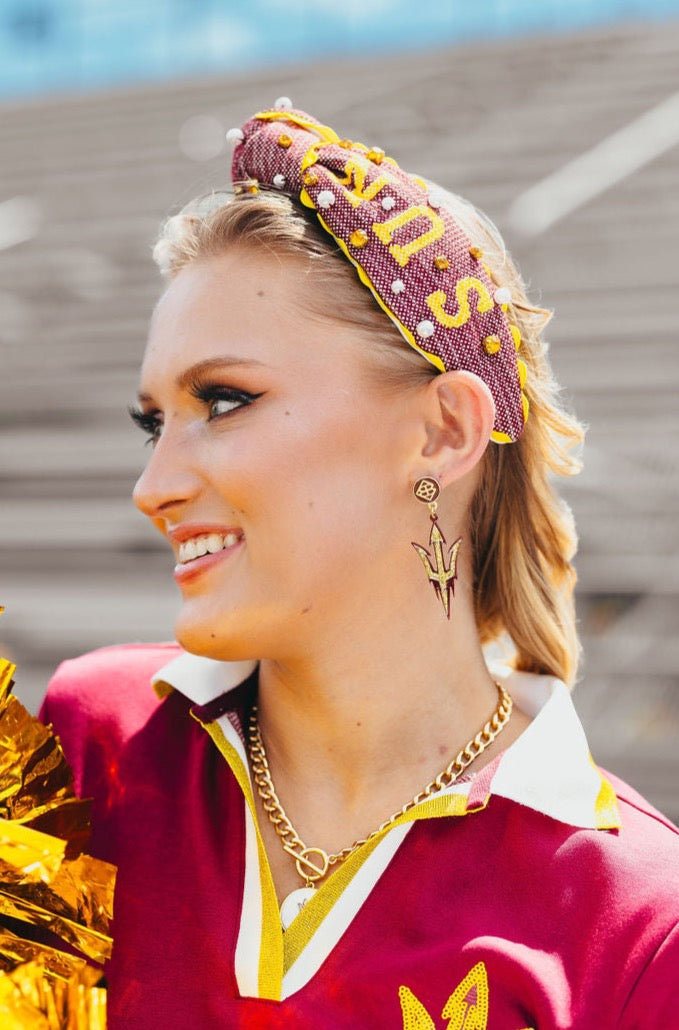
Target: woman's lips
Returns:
[[193, 559]]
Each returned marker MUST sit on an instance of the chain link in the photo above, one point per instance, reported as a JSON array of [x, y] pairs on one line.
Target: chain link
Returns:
[[286, 831]]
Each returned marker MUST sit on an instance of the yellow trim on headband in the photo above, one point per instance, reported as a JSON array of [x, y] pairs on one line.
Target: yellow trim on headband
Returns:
[[497, 436], [328, 135]]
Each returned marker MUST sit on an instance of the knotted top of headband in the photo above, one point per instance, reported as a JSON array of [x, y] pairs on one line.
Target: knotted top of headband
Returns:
[[406, 247]]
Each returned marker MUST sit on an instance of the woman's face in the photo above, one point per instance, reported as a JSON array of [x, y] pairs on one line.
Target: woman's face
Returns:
[[278, 467]]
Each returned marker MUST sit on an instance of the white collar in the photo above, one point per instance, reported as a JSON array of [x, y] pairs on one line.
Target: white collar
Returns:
[[548, 767], [200, 679]]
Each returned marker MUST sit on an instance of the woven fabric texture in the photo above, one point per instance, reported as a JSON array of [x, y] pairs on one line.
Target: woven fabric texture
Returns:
[[407, 248]]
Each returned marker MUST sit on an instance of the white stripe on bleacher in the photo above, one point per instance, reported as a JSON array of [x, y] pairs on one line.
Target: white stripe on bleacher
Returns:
[[613, 159]]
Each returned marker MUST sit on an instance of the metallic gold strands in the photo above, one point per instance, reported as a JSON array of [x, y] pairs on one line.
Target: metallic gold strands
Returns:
[[47, 883], [312, 864]]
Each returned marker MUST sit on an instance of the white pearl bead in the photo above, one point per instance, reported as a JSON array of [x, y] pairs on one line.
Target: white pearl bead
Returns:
[[435, 198], [279, 181], [234, 137], [425, 328], [502, 296], [325, 199], [283, 104], [388, 203], [398, 286]]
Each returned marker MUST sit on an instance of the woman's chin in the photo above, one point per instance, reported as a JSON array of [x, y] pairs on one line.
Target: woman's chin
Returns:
[[224, 637]]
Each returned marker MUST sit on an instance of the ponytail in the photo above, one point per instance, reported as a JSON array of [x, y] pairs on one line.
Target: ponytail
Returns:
[[523, 535]]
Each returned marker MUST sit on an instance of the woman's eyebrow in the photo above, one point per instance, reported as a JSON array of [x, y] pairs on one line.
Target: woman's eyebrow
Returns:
[[185, 378]]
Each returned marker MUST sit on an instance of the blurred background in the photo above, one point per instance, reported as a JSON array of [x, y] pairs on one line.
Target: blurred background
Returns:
[[560, 121]]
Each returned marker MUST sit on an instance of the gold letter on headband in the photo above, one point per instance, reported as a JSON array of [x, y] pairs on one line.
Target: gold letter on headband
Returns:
[[463, 288], [355, 180], [403, 252]]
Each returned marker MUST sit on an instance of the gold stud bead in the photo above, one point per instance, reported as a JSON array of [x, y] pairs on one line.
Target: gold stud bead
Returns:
[[441, 262], [346, 144], [358, 238], [252, 188], [376, 155], [285, 141], [310, 179], [492, 344], [476, 253]]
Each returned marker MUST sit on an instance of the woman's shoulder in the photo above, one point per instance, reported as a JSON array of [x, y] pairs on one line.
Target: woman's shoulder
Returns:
[[634, 806], [133, 659], [109, 678], [99, 701], [650, 839], [627, 868], [110, 686]]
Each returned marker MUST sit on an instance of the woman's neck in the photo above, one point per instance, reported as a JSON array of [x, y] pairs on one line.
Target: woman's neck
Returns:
[[359, 724]]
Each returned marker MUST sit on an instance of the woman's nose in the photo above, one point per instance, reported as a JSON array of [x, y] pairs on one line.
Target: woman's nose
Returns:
[[168, 482]]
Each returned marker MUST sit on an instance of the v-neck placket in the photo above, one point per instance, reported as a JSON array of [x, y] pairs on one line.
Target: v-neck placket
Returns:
[[548, 768], [272, 963]]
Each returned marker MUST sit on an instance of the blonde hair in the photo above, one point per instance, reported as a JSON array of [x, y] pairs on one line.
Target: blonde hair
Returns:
[[522, 534]]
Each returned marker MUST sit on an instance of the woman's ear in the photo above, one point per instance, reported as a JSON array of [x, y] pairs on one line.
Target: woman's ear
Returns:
[[460, 414]]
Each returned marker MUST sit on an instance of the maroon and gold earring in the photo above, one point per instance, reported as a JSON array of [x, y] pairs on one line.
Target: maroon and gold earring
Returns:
[[441, 576]]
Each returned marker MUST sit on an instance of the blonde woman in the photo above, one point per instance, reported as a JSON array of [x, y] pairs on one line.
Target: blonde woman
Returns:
[[331, 812]]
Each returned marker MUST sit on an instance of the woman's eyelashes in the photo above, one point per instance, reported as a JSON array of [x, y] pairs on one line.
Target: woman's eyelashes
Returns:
[[149, 422], [219, 401]]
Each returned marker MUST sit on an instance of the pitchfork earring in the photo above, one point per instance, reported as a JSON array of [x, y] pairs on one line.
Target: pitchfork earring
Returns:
[[442, 578]]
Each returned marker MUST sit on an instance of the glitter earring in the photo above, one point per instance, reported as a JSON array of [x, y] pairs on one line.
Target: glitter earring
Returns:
[[441, 576]]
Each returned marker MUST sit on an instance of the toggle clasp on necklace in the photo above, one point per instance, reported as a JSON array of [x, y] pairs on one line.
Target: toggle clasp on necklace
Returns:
[[308, 869]]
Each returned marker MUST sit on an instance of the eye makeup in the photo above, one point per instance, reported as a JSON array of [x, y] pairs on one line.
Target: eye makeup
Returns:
[[213, 395]]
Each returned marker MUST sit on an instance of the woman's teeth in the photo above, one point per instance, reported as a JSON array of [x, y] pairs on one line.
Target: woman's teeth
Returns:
[[208, 543]]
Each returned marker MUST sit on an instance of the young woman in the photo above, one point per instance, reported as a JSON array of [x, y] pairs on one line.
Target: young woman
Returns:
[[332, 812]]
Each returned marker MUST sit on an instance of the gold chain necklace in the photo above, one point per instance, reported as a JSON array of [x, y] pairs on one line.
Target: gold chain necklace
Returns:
[[312, 864]]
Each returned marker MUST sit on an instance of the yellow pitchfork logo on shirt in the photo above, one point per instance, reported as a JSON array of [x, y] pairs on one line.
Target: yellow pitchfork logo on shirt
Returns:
[[466, 1008]]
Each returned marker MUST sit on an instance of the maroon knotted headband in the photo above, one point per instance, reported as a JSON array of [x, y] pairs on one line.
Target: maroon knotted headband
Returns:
[[407, 248]]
